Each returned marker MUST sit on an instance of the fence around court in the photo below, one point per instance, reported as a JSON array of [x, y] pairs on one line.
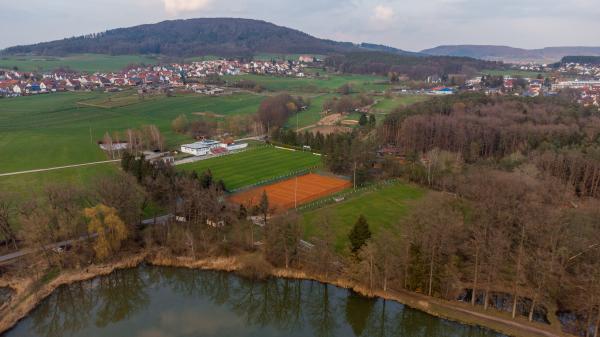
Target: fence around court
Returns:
[[270, 181], [332, 199]]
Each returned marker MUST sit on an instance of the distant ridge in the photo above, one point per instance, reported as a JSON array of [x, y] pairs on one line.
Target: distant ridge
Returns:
[[388, 49], [192, 37], [512, 55]]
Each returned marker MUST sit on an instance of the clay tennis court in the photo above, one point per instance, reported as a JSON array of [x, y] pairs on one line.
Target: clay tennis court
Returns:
[[281, 195]]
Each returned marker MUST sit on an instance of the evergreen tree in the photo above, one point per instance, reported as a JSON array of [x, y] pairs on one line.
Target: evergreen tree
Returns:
[[264, 206], [360, 234], [363, 120], [207, 179], [372, 121]]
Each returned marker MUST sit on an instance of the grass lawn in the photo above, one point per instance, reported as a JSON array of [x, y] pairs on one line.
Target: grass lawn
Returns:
[[84, 62], [255, 165], [382, 208], [54, 130]]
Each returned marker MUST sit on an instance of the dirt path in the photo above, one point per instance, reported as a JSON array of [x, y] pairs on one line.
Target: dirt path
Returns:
[[58, 168]]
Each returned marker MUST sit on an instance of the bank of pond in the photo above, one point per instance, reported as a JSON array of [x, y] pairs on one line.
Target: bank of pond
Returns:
[[163, 301]]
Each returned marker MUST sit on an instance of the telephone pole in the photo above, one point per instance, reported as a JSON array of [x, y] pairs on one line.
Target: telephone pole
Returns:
[[296, 194], [354, 176]]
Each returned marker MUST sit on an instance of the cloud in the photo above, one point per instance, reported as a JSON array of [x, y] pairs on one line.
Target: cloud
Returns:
[[383, 13], [174, 7]]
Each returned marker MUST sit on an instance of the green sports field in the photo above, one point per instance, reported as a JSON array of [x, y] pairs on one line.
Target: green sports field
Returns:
[[255, 165], [382, 207], [84, 62]]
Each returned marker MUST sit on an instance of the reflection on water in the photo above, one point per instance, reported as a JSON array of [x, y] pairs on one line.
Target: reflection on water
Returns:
[[157, 302]]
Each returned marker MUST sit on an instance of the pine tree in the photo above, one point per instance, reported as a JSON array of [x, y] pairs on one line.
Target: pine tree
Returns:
[[264, 206], [360, 234], [363, 120]]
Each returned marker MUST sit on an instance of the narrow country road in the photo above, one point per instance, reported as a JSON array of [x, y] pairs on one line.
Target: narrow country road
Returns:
[[58, 168]]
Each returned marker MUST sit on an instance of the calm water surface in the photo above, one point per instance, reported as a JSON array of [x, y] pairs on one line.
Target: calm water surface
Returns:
[[160, 302]]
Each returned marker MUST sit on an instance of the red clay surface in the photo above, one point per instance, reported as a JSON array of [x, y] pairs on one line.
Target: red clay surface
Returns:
[[281, 195]]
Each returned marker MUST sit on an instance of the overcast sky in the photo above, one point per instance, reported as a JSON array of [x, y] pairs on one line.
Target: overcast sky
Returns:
[[411, 25]]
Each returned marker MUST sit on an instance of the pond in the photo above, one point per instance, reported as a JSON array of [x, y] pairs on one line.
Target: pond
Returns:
[[158, 301]]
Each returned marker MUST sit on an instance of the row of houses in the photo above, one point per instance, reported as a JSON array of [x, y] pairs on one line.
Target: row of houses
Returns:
[[16, 83], [580, 69]]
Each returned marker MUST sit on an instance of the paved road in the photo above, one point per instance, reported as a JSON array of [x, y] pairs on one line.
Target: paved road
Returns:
[[58, 168]]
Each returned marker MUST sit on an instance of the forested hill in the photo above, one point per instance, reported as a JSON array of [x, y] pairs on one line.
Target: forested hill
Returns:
[[193, 37]]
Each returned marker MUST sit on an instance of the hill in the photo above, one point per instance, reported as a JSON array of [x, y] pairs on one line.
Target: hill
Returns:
[[387, 49], [512, 55], [193, 37]]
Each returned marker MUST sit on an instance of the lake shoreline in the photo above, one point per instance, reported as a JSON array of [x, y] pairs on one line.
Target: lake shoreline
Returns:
[[24, 300]]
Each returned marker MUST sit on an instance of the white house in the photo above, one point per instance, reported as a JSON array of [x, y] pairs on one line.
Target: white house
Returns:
[[201, 148], [17, 90]]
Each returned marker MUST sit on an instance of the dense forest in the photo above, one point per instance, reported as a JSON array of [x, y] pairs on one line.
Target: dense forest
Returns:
[[580, 59], [193, 37], [413, 66]]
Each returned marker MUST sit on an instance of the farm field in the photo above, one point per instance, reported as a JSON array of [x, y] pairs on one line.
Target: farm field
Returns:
[[54, 130], [382, 208], [514, 72], [286, 194], [312, 115], [85, 62], [255, 165], [387, 105], [28, 186], [326, 84]]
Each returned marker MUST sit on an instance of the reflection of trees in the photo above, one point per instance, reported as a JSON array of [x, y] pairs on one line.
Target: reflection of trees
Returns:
[[277, 302], [287, 305], [379, 322], [358, 311], [410, 322], [66, 311], [321, 310], [122, 294]]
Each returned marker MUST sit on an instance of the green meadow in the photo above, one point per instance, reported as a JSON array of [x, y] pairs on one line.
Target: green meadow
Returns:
[[84, 62], [255, 165], [311, 115], [382, 207], [53, 130], [326, 83], [386, 105]]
